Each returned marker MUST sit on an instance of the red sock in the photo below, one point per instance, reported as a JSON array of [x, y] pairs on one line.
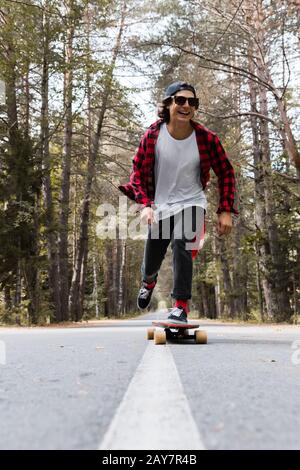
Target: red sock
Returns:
[[150, 285], [182, 303]]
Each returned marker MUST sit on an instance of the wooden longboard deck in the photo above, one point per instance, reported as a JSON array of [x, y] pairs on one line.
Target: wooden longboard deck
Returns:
[[168, 324]]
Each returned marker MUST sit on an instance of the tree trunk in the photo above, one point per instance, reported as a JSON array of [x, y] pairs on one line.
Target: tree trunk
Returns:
[[14, 144], [204, 300], [239, 265], [218, 302], [239, 272], [115, 277], [83, 272], [75, 301], [108, 276], [122, 246], [111, 277], [278, 280], [260, 210], [95, 288], [52, 252], [66, 168], [7, 297], [75, 208], [286, 131], [227, 284], [25, 104], [259, 284], [31, 270]]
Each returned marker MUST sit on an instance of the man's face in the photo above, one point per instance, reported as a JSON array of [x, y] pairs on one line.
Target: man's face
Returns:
[[182, 113]]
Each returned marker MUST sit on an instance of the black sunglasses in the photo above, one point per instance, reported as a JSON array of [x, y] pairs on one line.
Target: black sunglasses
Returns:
[[181, 100]]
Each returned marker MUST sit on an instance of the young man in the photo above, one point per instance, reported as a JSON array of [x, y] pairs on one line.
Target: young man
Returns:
[[170, 173]]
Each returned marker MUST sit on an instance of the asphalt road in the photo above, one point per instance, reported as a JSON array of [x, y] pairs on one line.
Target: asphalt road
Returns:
[[89, 388]]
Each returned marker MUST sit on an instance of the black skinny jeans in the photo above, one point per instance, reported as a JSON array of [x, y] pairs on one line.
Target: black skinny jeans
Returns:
[[179, 229]]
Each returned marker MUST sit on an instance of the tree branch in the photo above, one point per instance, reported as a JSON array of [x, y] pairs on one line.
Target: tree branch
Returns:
[[249, 113], [228, 68]]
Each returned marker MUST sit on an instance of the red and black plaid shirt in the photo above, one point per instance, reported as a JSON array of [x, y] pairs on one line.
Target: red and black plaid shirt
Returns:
[[141, 187]]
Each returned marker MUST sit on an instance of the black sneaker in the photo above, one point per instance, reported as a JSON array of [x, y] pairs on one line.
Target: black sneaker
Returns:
[[144, 297], [178, 315]]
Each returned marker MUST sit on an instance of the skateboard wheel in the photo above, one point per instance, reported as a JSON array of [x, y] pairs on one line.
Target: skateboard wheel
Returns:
[[200, 337], [160, 337], [150, 333]]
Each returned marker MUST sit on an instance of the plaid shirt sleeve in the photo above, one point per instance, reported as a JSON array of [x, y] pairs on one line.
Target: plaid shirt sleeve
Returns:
[[136, 189], [226, 179]]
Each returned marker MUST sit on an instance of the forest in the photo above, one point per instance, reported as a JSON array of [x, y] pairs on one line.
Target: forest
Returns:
[[80, 81]]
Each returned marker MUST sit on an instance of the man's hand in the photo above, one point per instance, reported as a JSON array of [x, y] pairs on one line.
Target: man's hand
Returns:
[[147, 215], [224, 223]]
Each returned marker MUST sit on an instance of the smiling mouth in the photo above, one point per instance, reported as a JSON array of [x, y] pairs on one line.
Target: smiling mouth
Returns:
[[184, 113]]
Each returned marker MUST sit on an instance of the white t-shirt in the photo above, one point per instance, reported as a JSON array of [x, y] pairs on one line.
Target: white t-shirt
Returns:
[[177, 174]]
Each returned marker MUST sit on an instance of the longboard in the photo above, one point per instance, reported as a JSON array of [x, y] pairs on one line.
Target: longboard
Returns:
[[164, 329], [169, 324]]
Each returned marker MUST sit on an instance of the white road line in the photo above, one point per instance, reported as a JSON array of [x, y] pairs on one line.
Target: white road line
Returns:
[[154, 413]]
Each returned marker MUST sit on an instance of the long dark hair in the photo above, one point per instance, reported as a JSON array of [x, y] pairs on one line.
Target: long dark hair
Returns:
[[162, 110]]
